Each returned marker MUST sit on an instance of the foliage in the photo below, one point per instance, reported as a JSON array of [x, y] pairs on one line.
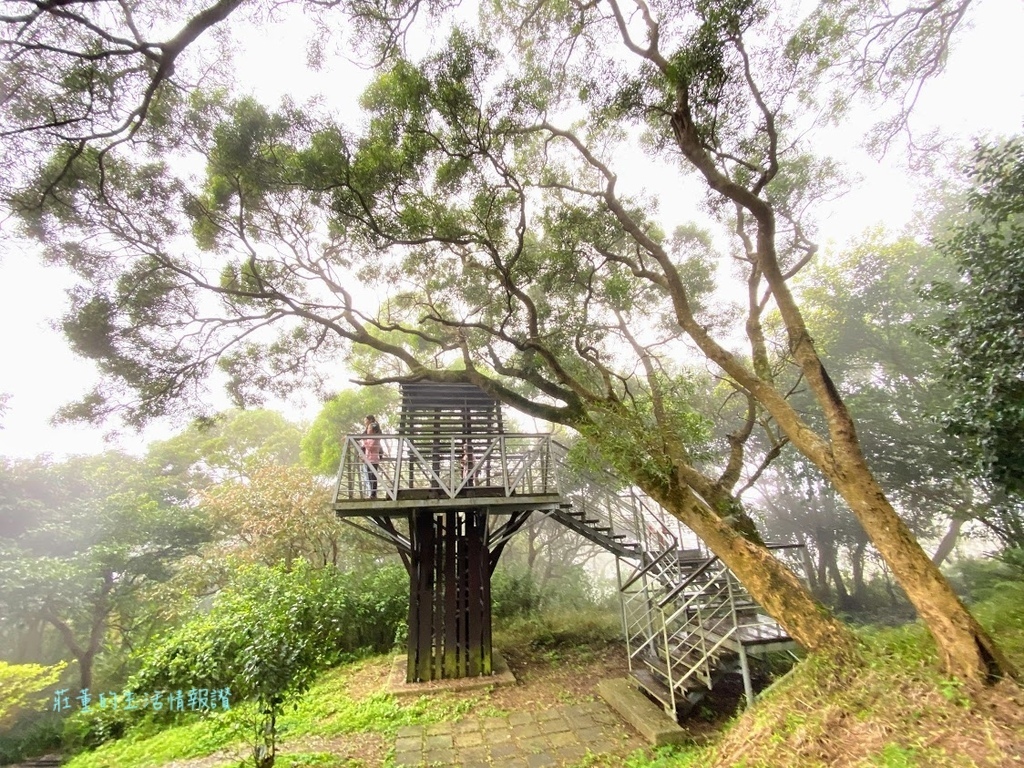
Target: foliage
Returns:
[[88, 539], [227, 446], [279, 514], [21, 684], [557, 630], [981, 331], [270, 632], [343, 414], [30, 736], [516, 592]]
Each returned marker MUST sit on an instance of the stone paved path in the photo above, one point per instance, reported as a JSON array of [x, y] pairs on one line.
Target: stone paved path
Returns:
[[550, 737]]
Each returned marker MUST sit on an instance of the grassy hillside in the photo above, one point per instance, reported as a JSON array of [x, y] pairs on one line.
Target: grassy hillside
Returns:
[[895, 711]]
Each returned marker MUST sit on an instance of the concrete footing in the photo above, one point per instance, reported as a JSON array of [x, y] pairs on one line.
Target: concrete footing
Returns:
[[396, 685], [650, 720]]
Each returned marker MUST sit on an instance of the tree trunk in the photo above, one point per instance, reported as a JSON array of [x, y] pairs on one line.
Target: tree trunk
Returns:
[[774, 586], [823, 592], [948, 542], [531, 545], [966, 650], [809, 568], [860, 589], [842, 596], [85, 664]]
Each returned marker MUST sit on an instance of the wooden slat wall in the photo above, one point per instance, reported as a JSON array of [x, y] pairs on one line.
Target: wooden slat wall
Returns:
[[449, 596], [448, 409], [450, 565]]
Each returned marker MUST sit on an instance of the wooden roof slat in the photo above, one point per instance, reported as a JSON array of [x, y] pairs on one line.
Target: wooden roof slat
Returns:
[[433, 409]]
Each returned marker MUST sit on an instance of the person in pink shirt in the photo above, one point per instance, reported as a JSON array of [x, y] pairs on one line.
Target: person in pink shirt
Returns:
[[372, 448]]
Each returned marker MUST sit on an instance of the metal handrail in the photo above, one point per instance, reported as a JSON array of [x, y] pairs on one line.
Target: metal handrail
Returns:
[[513, 463]]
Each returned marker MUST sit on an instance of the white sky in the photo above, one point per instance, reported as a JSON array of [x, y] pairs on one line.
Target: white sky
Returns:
[[981, 94]]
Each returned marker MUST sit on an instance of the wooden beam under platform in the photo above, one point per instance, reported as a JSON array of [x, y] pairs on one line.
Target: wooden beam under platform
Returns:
[[491, 505]]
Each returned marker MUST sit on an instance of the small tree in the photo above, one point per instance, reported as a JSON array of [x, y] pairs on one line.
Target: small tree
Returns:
[[271, 631], [21, 685]]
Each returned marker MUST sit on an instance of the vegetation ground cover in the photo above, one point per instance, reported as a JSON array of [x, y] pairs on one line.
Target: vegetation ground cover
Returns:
[[897, 710]]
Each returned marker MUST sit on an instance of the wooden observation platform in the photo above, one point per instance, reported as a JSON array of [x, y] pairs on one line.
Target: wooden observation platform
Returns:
[[451, 488]]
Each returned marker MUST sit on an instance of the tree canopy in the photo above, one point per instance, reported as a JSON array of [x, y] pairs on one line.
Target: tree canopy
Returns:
[[981, 330], [474, 229]]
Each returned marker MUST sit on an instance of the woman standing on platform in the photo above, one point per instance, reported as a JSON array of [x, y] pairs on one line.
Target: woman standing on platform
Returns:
[[372, 449]]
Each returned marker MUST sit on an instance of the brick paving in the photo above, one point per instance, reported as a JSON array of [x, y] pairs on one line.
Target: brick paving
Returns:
[[550, 737]]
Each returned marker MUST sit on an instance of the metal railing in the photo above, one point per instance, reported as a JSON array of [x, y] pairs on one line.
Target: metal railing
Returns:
[[679, 633], [448, 465], [627, 513]]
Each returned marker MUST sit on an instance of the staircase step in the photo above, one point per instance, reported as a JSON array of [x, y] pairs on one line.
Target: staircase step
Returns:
[[653, 685]]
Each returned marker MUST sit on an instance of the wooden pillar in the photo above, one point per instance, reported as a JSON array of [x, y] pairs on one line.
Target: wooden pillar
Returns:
[[449, 596]]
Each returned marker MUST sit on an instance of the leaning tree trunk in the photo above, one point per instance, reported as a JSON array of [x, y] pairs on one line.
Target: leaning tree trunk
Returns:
[[774, 586], [966, 650]]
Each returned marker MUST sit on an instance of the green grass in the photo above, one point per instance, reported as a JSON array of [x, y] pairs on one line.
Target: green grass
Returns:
[[325, 710], [896, 708]]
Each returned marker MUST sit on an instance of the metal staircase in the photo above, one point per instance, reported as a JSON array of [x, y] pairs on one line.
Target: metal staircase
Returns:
[[687, 620]]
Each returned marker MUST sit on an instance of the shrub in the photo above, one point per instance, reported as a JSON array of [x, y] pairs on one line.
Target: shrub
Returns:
[[977, 579], [22, 685], [270, 631], [514, 594]]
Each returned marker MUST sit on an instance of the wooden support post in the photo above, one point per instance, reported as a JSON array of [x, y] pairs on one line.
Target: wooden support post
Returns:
[[449, 596]]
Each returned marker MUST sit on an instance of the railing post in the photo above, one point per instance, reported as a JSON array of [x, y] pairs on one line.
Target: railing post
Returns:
[[341, 471], [451, 468], [400, 452], [748, 687], [504, 465], [669, 669]]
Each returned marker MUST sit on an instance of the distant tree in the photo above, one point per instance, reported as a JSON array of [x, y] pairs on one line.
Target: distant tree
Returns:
[[278, 514], [795, 506], [341, 415], [229, 445], [90, 536]]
